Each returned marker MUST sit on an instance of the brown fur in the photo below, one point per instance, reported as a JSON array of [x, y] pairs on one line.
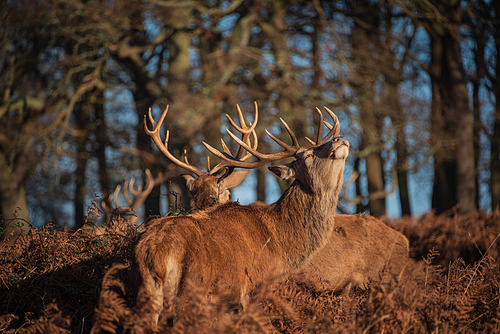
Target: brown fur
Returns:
[[230, 248], [361, 249]]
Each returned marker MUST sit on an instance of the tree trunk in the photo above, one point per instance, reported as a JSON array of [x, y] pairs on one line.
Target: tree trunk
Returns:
[[80, 188], [82, 119], [370, 115], [374, 174], [495, 158], [476, 108], [178, 90], [143, 102], [261, 184], [370, 139], [495, 138], [102, 140], [465, 158], [451, 123], [393, 102], [359, 207], [13, 206], [402, 162]]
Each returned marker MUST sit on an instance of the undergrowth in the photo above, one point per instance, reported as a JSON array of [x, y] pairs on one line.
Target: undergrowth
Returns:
[[60, 281]]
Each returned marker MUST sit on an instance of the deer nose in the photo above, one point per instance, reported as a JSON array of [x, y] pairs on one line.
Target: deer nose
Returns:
[[341, 139]]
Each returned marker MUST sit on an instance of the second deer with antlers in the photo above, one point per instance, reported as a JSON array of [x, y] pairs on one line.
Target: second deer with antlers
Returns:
[[229, 258]]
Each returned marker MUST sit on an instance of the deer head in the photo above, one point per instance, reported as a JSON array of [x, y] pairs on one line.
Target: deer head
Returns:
[[230, 248]]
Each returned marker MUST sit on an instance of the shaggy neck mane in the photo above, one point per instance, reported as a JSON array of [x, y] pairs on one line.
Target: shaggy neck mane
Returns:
[[303, 221]]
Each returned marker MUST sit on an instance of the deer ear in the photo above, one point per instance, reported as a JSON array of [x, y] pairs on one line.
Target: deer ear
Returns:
[[235, 179], [187, 181], [284, 172]]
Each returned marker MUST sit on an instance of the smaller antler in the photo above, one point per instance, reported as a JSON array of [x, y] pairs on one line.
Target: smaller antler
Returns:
[[245, 131], [139, 195]]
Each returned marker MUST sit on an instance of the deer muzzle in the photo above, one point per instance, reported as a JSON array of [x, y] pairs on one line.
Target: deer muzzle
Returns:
[[340, 147]]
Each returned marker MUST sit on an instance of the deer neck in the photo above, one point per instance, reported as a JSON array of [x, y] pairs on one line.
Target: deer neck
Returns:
[[304, 222]]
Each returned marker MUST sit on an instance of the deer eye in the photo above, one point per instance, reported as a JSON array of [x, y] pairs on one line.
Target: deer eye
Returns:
[[307, 156]]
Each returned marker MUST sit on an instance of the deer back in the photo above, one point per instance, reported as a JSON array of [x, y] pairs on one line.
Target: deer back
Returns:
[[361, 250]]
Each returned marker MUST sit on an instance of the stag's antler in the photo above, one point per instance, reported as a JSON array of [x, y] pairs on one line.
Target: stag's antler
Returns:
[[229, 161], [245, 130], [163, 147], [139, 194]]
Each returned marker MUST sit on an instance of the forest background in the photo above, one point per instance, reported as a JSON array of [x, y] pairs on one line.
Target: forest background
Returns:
[[414, 83]]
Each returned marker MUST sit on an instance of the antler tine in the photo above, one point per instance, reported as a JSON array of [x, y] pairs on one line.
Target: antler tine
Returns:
[[159, 179], [163, 147], [248, 155], [335, 129], [245, 131], [108, 209], [244, 128], [115, 196], [255, 145], [129, 186], [186, 157], [312, 142], [330, 127], [295, 146], [320, 126], [224, 147], [320, 130], [227, 153]]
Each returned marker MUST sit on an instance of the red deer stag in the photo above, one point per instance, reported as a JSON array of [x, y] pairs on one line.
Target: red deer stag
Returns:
[[361, 249], [228, 249]]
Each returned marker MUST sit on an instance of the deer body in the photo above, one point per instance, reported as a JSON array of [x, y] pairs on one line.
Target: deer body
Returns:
[[224, 259]]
